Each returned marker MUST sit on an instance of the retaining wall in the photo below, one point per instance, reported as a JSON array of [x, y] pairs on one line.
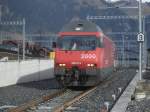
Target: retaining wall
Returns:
[[13, 72]]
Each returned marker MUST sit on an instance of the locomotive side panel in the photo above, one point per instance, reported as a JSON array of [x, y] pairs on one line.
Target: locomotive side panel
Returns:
[[107, 58]]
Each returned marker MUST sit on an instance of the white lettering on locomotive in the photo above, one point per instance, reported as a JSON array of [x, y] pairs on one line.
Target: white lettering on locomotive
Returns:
[[88, 56]]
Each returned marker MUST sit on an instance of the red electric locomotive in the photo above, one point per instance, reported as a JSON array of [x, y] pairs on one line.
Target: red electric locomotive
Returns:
[[84, 55]]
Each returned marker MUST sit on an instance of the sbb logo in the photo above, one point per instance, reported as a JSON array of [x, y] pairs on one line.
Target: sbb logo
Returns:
[[88, 56]]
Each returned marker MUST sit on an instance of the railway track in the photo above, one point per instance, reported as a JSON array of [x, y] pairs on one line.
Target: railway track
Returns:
[[100, 97], [105, 95], [35, 102], [55, 102]]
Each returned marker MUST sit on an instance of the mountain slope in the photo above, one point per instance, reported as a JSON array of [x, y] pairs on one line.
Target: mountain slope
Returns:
[[51, 15]]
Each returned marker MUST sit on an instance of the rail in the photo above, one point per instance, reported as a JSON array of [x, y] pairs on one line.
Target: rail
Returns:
[[35, 102], [69, 103]]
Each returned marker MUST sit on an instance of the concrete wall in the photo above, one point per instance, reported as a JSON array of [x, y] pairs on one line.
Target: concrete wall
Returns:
[[18, 72]]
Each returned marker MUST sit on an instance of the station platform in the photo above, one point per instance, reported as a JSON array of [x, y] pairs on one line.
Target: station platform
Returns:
[[135, 88], [125, 98], [141, 102]]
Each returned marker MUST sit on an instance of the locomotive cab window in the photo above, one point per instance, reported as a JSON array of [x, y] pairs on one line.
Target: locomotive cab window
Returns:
[[79, 43], [100, 43]]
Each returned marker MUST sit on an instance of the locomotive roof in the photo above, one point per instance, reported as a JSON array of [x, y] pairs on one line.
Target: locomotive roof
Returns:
[[81, 26]]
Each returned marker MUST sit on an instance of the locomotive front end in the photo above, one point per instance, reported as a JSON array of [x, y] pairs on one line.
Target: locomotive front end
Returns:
[[77, 57]]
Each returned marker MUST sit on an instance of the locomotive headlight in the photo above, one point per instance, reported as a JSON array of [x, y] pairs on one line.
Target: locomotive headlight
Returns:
[[90, 65], [62, 65]]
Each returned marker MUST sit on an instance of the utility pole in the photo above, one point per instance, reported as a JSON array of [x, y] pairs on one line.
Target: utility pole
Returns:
[[17, 23], [18, 52], [128, 54], [0, 12], [123, 52], [145, 43], [140, 43], [24, 38]]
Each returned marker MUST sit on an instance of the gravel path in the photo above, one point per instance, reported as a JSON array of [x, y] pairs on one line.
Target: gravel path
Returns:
[[21, 93]]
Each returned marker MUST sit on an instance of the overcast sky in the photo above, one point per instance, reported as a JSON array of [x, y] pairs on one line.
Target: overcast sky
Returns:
[[137, 0]]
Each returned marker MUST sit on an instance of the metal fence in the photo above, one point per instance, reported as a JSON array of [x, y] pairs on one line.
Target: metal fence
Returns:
[[127, 49], [125, 38], [16, 43]]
